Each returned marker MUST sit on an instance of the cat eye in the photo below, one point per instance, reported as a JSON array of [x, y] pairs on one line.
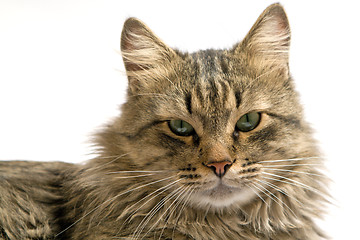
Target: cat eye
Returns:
[[248, 122], [181, 128]]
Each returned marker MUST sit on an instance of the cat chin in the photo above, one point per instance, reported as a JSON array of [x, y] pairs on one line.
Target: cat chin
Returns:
[[222, 196]]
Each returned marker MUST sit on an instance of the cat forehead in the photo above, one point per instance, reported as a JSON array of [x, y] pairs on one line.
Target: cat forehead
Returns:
[[209, 63], [205, 81], [211, 83], [203, 88], [207, 73]]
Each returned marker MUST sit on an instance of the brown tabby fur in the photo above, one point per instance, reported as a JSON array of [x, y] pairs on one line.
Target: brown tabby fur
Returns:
[[148, 183]]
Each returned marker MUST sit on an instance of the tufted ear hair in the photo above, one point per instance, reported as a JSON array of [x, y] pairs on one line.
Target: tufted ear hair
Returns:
[[269, 38], [145, 55]]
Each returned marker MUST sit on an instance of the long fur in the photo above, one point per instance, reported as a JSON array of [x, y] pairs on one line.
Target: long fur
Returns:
[[149, 183]]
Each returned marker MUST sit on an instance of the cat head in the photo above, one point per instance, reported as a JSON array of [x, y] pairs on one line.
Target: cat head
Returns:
[[218, 122]]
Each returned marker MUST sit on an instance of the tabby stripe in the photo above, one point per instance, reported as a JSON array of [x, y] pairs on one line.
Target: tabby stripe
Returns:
[[165, 139], [214, 91], [224, 66], [290, 120], [199, 94], [238, 98], [151, 161], [188, 102], [268, 133], [225, 92], [138, 133]]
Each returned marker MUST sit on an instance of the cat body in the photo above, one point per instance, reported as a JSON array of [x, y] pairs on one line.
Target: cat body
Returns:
[[209, 145]]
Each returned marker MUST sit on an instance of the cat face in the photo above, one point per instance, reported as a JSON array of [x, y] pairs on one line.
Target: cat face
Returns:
[[218, 121]]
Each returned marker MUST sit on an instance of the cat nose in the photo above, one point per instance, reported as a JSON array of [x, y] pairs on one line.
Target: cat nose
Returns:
[[219, 168]]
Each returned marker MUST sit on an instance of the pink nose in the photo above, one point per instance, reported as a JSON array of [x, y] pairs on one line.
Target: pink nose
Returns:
[[219, 168]]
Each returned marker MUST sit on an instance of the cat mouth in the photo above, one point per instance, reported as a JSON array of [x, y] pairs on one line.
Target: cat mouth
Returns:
[[223, 195], [221, 189]]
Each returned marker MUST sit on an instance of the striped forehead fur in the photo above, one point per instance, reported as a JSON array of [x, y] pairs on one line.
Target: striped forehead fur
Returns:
[[211, 89]]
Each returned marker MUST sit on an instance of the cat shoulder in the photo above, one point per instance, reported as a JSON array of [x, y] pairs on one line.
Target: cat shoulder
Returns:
[[29, 193]]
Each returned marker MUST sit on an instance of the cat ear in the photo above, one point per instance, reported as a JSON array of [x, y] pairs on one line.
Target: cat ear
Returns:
[[269, 38], [145, 55]]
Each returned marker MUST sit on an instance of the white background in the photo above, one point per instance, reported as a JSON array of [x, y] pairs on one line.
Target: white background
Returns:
[[61, 75]]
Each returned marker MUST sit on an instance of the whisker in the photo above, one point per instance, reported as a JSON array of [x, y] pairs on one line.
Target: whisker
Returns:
[[278, 201], [145, 175], [174, 208], [290, 165], [292, 171], [164, 188], [108, 201], [107, 163], [257, 194], [290, 159], [140, 225], [151, 213], [179, 193], [262, 191], [297, 185], [161, 171], [182, 208], [113, 156], [154, 95], [289, 179], [279, 190]]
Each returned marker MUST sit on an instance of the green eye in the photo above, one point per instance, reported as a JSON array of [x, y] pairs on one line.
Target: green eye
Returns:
[[181, 128], [248, 122]]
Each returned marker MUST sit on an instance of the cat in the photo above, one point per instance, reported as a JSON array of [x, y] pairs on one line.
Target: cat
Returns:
[[209, 145]]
